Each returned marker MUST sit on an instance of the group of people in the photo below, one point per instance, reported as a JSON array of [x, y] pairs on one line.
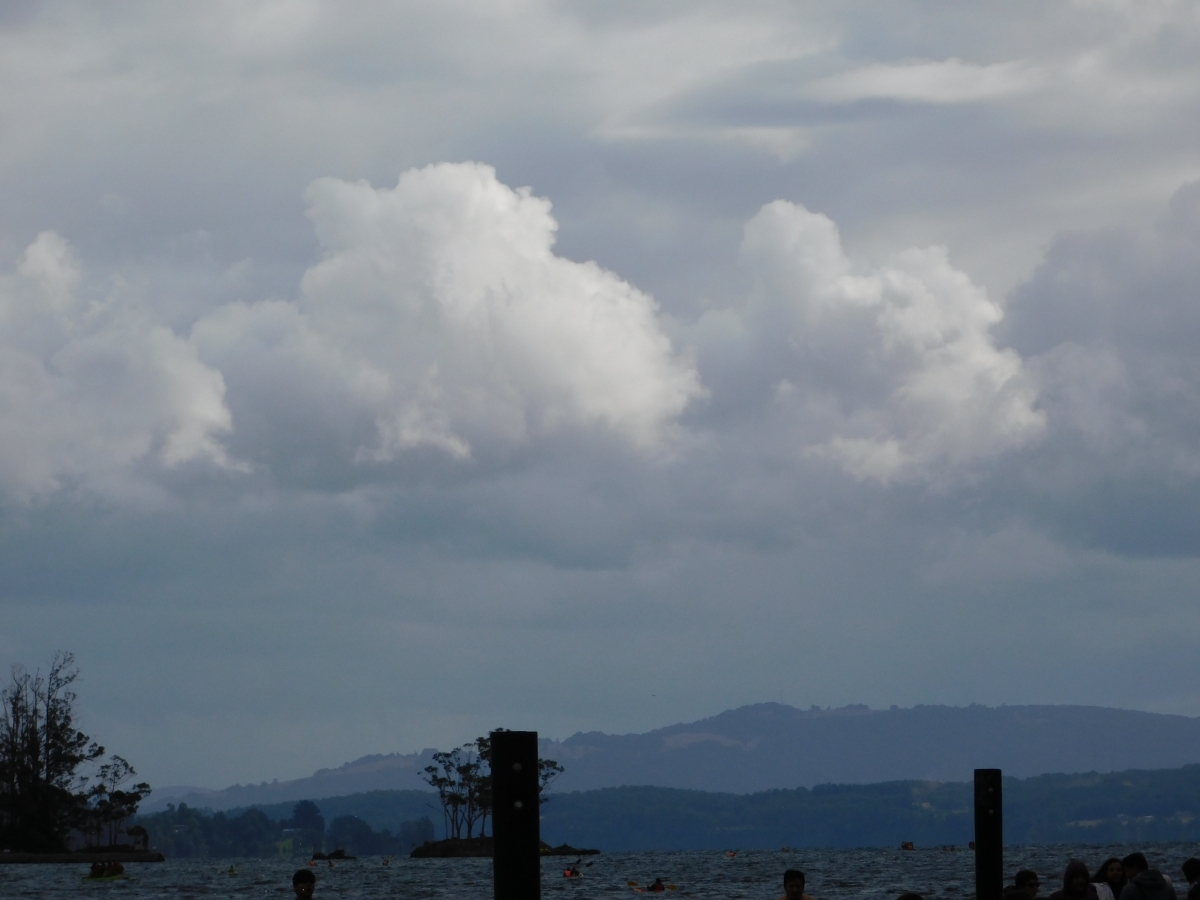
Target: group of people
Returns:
[[106, 869], [1131, 878]]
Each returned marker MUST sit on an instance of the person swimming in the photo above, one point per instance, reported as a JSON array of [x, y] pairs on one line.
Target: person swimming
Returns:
[[794, 884], [304, 882]]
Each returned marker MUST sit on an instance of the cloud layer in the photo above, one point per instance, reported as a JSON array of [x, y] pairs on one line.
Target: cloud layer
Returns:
[[853, 363]]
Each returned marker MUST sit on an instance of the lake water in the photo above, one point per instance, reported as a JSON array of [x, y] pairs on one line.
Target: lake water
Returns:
[[864, 874]]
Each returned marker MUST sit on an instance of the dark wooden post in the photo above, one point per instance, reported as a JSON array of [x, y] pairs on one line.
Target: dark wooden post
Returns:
[[516, 830], [989, 835]]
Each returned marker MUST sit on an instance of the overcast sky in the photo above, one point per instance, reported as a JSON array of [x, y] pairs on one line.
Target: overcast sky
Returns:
[[376, 374]]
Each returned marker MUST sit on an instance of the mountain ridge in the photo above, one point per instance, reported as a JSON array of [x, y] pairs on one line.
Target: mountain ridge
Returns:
[[767, 746]]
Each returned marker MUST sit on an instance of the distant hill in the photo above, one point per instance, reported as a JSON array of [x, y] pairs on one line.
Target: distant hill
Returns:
[[770, 745], [394, 771]]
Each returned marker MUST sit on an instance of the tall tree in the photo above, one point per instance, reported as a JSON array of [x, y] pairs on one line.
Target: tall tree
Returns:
[[548, 770], [41, 752], [307, 819], [446, 777], [110, 806]]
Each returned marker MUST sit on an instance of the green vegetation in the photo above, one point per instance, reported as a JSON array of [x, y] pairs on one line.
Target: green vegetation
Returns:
[[45, 799], [185, 832]]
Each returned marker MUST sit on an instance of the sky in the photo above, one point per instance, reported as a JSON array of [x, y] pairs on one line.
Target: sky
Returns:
[[373, 375]]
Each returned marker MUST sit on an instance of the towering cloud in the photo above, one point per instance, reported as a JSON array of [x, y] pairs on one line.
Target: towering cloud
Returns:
[[448, 286], [440, 318], [893, 372]]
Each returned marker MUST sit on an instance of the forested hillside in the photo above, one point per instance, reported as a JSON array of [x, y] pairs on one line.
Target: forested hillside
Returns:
[[1127, 806], [1093, 808]]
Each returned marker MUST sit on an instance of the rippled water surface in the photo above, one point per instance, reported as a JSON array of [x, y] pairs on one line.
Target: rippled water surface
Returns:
[[832, 875]]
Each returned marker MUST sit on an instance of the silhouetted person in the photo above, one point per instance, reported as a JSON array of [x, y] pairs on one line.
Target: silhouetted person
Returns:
[[1077, 884], [1110, 878], [793, 885], [1027, 882], [910, 895], [1144, 883], [304, 882], [1191, 871]]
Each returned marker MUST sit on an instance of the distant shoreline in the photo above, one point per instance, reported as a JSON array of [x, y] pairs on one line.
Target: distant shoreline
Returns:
[[482, 847], [84, 856]]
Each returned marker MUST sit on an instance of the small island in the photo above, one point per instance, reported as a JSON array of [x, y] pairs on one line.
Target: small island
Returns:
[[463, 779], [483, 847]]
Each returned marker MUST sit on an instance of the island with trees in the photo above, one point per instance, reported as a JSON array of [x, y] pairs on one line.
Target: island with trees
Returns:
[[61, 799], [463, 779]]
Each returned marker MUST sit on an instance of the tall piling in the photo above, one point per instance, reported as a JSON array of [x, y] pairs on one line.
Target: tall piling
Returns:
[[516, 829], [989, 835]]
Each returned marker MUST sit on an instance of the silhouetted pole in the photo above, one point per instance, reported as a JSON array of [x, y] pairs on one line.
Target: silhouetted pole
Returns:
[[989, 835], [517, 858]]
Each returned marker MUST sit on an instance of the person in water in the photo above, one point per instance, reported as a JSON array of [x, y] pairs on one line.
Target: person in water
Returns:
[[1077, 884], [1028, 882], [657, 886], [304, 882], [1110, 879], [794, 885], [1145, 883], [1191, 871]]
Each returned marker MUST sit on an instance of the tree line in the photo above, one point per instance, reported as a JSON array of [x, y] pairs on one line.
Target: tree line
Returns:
[[184, 832], [463, 779], [56, 788], [1111, 808]]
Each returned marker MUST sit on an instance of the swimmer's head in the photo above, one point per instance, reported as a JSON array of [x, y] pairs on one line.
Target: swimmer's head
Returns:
[[304, 882], [793, 884]]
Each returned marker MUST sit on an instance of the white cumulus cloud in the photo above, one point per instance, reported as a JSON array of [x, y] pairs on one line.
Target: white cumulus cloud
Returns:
[[440, 312], [449, 286], [90, 389], [891, 372]]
